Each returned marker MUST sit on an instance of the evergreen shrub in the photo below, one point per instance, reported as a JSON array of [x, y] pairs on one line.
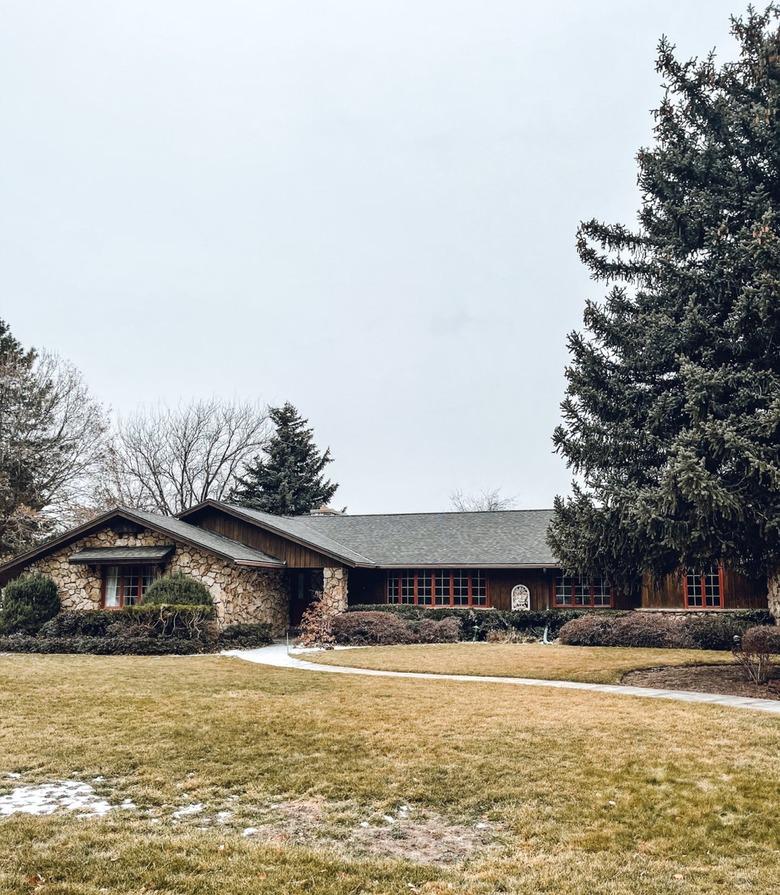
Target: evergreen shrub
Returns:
[[28, 602]]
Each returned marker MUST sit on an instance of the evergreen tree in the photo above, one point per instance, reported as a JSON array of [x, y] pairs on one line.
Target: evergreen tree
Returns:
[[671, 419], [51, 435], [288, 480]]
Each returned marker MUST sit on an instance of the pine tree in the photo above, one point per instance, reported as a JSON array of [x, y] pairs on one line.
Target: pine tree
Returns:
[[288, 480], [671, 419], [22, 446]]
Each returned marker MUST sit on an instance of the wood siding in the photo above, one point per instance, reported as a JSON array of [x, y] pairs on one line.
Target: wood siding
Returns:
[[295, 555], [667, 592], [370, 586]]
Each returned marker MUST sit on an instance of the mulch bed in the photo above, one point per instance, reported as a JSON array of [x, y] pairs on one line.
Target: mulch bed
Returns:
[[727, 679]]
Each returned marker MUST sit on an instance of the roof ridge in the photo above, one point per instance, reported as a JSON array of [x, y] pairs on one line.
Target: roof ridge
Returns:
[[421, 513]]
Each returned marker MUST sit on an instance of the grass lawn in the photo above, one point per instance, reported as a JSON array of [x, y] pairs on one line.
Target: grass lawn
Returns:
[[510, 789], [598, 664]]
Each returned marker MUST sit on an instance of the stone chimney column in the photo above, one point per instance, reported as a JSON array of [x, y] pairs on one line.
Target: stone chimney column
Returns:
[[335, 583]]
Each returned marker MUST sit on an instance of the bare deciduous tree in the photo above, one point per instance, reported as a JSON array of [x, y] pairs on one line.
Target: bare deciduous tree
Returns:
[[485, 501], [165, 460], [52, 438]]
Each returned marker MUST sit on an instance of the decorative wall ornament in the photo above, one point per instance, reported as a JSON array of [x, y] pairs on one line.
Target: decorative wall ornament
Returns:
[[521, 598]]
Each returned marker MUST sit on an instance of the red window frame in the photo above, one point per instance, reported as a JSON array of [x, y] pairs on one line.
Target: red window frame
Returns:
[[438, 588], [701, 578], [580, 587], [144, 574]]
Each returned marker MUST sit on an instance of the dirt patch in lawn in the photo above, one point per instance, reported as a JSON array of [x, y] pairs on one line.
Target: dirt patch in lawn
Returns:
[[727, 679], [406, 832]]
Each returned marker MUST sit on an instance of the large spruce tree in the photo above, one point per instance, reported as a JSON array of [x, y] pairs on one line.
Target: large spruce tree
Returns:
[[288, 480], [671, 420]]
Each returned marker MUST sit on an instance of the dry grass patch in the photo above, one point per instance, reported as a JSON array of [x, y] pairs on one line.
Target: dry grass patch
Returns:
[[598, 664], [582, 794]]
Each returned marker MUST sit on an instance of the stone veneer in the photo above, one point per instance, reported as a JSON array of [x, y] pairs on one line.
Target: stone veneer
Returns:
[[334, 590], [241, 594]]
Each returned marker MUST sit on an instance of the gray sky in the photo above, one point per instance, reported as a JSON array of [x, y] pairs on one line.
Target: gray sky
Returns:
[[366, 207]]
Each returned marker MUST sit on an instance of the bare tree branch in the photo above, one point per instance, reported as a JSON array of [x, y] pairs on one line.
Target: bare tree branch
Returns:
[[485, 501], [165, 460]]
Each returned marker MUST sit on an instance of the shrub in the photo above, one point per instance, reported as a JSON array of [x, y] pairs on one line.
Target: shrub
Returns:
[[371, 628], [670, 631], [315, 628], [245, 635], [178, 589], [476, 624], [754, 651], [445, 630], [190, 622], [75, 623], [634, 629], [101, 646], [28, 602]]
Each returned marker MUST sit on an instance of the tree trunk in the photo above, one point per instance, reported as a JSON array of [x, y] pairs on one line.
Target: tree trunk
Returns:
[[773, 593]]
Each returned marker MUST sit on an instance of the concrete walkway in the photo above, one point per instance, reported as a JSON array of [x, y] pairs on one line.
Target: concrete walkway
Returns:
[[278, 656]]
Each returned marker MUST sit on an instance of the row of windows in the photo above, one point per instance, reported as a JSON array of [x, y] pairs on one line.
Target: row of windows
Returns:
[[575, 591], [437, 587], [457, 587]]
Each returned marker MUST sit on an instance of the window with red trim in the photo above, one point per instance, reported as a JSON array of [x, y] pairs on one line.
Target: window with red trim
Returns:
[[704, 588], [576, 592], [126, 585], [437, 587]]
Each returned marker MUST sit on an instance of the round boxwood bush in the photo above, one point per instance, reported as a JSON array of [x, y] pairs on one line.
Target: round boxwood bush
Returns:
[[178, 589], [28, 602]]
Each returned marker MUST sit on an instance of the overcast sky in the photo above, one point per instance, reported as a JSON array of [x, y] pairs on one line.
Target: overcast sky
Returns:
[[366, 207]]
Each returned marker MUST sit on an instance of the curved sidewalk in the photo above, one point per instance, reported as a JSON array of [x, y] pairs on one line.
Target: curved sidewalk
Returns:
[[278, 656]]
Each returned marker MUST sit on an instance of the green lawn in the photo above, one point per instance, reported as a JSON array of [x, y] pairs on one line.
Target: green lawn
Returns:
[[575, 793], [602, 665]]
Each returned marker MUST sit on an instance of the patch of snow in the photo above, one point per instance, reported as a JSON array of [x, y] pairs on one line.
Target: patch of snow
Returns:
[[188, 811], [388, 818], [13, 776], [46, 798], [222, 817], [250, 831]]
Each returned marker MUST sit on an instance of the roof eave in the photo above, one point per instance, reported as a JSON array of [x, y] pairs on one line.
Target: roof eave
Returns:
[[303, 542]]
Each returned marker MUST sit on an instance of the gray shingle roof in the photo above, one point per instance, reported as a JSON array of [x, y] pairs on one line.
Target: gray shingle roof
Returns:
[[209, 540], [102, 555], [505, 538]]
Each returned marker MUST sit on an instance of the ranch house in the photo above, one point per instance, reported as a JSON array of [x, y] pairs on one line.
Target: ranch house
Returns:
[[265, 568]]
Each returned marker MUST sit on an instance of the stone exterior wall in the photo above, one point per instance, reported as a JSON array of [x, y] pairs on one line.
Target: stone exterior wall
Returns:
[[335, 585], [240, 594]]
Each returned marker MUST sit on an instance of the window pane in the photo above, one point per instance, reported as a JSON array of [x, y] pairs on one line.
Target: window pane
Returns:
[[460, 587], [442, 589], [581, 592], [562, 590], [424, 592], [601, 592], [112, 587], [693, 584], [392, 587], [478, 589], [130, 581], [407, 587], [712, 587]]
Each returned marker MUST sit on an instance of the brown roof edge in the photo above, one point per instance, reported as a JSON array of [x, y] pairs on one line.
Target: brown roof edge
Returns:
[[74, 534], [236, 512]]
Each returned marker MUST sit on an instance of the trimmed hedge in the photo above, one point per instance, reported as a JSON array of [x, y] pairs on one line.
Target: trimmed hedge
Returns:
[[185, 621], [102, 646], [476, 623], [27, 603], [244, 635], [667, 631]]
